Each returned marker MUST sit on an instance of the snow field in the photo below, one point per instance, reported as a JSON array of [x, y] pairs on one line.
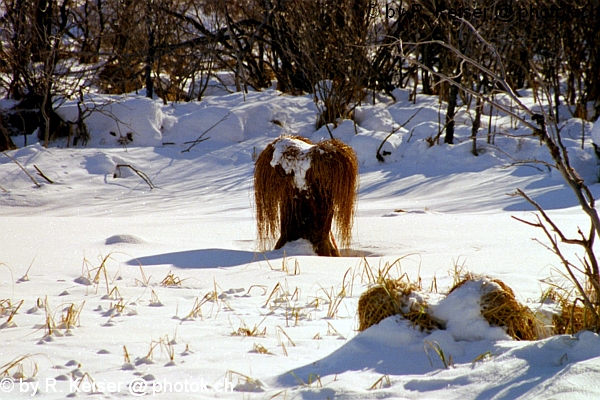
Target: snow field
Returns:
[[133, 290]]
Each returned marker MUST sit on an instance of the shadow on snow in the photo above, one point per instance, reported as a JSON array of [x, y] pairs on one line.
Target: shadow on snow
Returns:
[[215, 258], [203, 258]]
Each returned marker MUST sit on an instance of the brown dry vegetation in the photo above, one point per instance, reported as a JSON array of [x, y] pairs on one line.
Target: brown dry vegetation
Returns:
[[292, 213], [500, 307], [172, 48], [498, 304], [573, 318], [391, 298]]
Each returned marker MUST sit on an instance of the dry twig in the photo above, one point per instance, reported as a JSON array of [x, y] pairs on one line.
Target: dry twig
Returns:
[[142, 175], [24, 170]]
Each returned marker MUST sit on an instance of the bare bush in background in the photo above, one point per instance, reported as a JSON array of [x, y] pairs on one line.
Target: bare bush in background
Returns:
[[52, 50]]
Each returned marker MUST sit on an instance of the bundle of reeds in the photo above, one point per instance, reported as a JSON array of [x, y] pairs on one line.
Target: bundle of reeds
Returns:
[[301, 189], [394, 297]]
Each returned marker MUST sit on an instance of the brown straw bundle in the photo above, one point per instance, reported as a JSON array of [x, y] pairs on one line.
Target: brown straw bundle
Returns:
[[500, 308], [293, 211], [393, 297]]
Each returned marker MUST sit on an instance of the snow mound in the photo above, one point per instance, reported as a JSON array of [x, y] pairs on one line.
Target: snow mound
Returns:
[[121, 120], [374, 118], [300, 247], [344, 132], [461, 313], [264, 120], [225, 126], [100, 164], [366, 146], [124, 239]]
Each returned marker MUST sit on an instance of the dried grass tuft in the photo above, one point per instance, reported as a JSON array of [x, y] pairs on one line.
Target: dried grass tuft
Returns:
[[245, 331], [394, 297], [260, 349], [572, 319], [500, 308], [25, 368], [331, 186], [171, 280], [71, 316]]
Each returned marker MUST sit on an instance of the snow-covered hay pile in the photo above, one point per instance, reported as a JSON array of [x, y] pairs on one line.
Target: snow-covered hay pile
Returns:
[[300, 188], [498, 307], [394, 297]]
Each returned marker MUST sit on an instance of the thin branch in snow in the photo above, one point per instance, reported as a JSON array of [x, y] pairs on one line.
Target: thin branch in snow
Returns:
[[24, 170], [40, 173], [200, 138], [378, 155], [142, 175]]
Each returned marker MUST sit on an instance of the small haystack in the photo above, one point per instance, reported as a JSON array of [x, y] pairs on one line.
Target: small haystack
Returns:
[[301, 188], [394, 297], [500, 308]]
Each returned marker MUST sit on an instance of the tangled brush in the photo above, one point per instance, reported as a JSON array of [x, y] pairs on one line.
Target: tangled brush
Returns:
[[301, 188], [394, 297], [500, 308]]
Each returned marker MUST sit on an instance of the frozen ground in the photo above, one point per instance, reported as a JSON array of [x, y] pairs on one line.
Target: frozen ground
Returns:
[[122, 290]]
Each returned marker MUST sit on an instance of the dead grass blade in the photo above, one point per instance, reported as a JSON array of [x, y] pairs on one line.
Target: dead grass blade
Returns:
[[243, 330], [171, 280], [435, 346], [383, 381]]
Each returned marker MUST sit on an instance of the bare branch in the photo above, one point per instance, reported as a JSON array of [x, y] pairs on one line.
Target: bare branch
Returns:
[[472, 92], [588, 302], [200, 138], [379, 156], [23, 169], [142, 175], [40, 173]]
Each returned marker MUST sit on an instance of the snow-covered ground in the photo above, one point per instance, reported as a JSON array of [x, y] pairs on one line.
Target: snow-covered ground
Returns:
[[126, 290]]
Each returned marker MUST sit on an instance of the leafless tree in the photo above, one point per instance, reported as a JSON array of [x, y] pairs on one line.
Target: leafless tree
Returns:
[[544, 126], [37, 55]]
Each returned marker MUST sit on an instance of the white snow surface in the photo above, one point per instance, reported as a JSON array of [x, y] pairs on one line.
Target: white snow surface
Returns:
[[293, 155], [112, 287]]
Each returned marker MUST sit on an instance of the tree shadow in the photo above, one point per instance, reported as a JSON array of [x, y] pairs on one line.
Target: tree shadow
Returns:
[[215, 258], [198, 259]]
